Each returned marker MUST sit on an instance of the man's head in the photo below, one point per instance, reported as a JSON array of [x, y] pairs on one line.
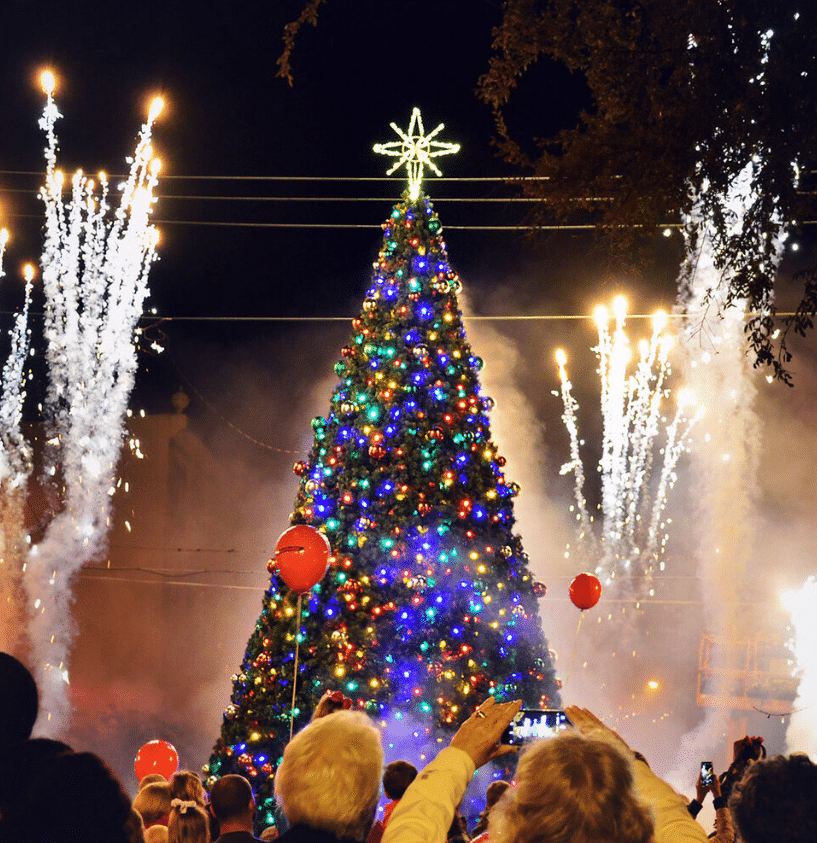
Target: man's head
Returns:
[[330, 776], [397, 777], [776, 801], [232, 801], [19, 701]]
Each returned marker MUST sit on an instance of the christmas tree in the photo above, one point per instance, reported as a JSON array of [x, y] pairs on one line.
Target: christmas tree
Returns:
[[428, 605]]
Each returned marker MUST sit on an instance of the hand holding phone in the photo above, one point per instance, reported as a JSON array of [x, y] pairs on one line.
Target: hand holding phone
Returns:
[[531, 724]]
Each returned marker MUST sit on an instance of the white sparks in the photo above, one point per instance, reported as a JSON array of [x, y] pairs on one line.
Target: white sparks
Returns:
[[633, 498], [96, 257], [801, 735]]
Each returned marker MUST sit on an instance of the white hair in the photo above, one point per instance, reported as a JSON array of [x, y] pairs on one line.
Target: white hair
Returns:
[[330, 775]]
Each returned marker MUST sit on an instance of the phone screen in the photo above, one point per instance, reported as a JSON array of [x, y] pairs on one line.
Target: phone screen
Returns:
[[531, 724], [707, 775]]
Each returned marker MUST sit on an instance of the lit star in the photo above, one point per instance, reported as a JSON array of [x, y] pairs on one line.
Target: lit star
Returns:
[[415, 150]]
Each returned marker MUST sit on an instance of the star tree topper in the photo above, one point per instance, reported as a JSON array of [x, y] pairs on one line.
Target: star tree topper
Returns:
[[415, 150]]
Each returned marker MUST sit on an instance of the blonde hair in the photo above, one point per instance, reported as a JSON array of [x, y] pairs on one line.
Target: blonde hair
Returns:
[[571, 789], [190, 825], [330, 776], [153, 801]]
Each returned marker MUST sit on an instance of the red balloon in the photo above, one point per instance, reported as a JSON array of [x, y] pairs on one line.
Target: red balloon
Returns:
[[585, 591], [156, 757], [303, 557]]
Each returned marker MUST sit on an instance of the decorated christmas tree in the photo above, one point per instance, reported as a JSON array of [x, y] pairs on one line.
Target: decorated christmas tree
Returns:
[[428, 605]]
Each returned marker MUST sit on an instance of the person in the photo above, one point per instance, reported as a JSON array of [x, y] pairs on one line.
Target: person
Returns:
[[19, 701], [397, 776], [745, 752], [72, 796], [187, 786], [20, 766], [328, 783], [458, 830], [580, 786], [156, 834], [331, 702], [188, 822], [724, 829], [775, 801], [233, 805], [153, 803], [492, 795], [151, 778]]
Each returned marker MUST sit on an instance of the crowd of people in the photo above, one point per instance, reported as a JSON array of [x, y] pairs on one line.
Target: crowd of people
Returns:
[[584, 785]]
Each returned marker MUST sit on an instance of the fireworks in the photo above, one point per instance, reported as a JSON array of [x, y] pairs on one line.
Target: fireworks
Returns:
[[640, 450], [95, 269]]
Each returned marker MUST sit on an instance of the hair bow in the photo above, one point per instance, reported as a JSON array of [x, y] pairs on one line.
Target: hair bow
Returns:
[[338, 698], [182, 805]]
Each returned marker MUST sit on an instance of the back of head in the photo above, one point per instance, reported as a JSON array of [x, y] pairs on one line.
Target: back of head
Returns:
[[330, 776], [571, 788], [776, 800], [19, 701], [397, 777], [156, 834], [187, 786], [231, 798], [151, 778], [153, 801], [76, 796], [188, 823]]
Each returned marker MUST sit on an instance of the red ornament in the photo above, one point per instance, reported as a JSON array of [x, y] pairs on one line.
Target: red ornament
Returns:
[[377, 452], [540, 589], [156, 756], [272, 564], [585, 591], [300, 468], [303, 557]]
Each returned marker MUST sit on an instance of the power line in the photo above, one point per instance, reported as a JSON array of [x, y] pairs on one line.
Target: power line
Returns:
[[392, 180]]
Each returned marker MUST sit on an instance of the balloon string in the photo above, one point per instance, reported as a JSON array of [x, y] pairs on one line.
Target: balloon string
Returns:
[[295, 676], [575, 643]]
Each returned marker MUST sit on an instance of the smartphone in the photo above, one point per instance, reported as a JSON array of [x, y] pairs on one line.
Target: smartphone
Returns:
[[707, 774], [531, 724]]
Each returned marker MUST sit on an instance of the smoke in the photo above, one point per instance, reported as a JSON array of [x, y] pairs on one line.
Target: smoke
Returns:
[[725, 456]]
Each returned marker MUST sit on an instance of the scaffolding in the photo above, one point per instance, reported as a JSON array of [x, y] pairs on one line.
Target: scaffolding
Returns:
[[746, 674]]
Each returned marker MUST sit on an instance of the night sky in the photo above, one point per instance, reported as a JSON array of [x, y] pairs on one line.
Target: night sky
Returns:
[[365, 65]]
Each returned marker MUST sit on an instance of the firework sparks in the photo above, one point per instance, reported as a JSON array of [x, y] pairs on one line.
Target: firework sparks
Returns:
[[634, 484], [95, 270]]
